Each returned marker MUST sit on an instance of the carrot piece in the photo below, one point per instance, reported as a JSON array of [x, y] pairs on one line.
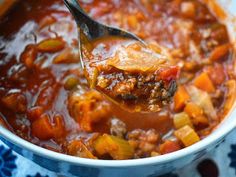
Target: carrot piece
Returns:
[[180, 98], [197, 115], [42, 128], [169, 146], [132, 21], [187, 135], [204, 82], [219, 52], [78, 148], [51, 45]]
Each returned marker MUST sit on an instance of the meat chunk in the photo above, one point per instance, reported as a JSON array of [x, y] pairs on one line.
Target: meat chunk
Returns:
[[144, 142]]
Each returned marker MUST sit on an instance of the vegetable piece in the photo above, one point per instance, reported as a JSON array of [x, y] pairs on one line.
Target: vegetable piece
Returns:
[[88, 108], [59, 126], [203, 100], [219, 52], [204, 82], [187, 135], [42, 128], [216, 73], [132, 21], [168, 74], [136, 58], [67, 56], [180, 98], [78, 148], [71, 83], [16, 102], [197, 115], [117, 148], [51, 45], [34, 113], [29, 56], [188, 9], [181, 119], [169, 146]]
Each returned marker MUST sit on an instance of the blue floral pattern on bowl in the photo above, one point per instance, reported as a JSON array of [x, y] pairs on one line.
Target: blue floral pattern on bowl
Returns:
[[7, 161]]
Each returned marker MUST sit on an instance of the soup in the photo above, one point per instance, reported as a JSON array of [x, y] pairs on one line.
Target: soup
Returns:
[[45, 98]]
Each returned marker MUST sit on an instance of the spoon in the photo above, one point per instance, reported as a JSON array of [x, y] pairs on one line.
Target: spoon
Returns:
[[158, 86], [91, 30]]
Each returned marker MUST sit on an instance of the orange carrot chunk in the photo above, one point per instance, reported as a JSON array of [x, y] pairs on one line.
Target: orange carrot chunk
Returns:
[[219, 52], [180, 98], [204, 82], [42, 128], [169, 146]]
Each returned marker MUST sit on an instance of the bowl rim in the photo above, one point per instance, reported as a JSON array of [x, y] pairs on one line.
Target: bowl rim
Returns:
[[201, 145], [197, 147]]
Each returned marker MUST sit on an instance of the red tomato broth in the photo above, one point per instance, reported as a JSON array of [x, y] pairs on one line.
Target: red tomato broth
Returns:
[[42, 81]]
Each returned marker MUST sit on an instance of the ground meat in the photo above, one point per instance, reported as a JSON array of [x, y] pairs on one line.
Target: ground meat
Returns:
[[144, 142], [118, 128]]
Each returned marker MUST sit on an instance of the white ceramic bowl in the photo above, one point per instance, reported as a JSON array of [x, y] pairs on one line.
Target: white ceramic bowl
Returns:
[[147, 167]]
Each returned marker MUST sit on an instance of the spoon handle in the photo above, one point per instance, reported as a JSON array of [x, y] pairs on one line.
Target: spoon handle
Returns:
[[90, 28]]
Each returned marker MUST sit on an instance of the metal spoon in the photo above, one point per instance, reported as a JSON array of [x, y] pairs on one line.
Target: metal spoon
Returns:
[[90, 29]]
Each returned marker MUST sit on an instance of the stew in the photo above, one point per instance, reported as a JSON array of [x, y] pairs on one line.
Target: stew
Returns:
[[45, 98], [137, 76]]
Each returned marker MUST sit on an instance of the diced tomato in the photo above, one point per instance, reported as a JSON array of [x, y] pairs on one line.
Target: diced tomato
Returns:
[[169, 74]]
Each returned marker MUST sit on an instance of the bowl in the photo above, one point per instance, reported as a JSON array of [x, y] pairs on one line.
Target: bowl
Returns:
[[148, 167]]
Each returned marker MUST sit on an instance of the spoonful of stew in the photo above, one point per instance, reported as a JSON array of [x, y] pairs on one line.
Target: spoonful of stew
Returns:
[[137, 76]]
